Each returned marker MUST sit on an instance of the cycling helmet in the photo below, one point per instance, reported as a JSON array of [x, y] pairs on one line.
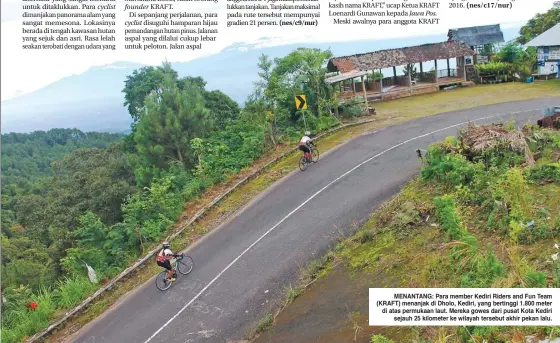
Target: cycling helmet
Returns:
[[166, 245], [307, 133]]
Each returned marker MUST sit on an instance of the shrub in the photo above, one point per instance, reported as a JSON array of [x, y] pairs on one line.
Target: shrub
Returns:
[[446, 212], [501, 156], [516, 230], [380, 339], [483, 333], [326, 122], [364, 236], [193, 189], [509, 125], [543, 173], [483, 272], [534, 279], [449, 168], [406, 216], [494, 68], [352, 108], [374, 76], [450, 141], [22, 322], [513, 190], [70, 291], [465, 195], [498, 217]]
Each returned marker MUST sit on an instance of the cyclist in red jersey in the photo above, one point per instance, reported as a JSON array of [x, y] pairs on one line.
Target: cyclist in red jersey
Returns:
[[163, 260]]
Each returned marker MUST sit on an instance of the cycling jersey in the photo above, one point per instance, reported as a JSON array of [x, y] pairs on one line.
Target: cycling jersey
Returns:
[[162, 256], [304, 140]]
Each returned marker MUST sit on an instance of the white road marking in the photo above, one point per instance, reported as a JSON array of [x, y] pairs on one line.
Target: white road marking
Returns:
[[303, 204]]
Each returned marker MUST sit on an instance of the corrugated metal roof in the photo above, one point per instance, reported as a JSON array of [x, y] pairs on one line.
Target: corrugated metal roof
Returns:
[[550, 37], [477, 35], [397, 57], [346, 76]]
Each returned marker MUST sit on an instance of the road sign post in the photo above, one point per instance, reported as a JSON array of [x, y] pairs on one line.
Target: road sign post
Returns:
[[301, 102]]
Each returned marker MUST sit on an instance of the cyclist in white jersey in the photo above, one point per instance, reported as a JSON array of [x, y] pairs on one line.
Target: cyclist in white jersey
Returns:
[[305, 143]]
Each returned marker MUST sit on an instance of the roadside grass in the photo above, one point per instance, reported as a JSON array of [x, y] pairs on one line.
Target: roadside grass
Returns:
[[464, 98], [437, 233], [388, 113], [264, 324]]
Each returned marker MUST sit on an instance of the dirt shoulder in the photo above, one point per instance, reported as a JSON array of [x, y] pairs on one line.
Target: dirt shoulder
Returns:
[[388, 113]]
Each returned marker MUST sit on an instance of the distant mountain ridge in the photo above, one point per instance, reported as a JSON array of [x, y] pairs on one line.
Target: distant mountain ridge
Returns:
[[93, 100]]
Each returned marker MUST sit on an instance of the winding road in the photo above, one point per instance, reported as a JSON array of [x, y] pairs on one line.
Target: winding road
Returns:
[[242, 267]]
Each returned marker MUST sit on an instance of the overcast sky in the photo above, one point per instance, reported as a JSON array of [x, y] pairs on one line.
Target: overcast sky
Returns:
[[26, 71]]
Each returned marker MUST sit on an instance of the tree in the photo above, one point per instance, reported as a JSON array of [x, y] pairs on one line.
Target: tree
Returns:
[[195, 81], [97, 180], [488, 49], [261, 104], [25, 262], [304, 69], [375, 76], [510, 53], [27, 178], [538, 24], [412, 68], [223, 111], [94, 180], [141, 83], [523, 61], [144, 81], [170, 120], [265, 74]]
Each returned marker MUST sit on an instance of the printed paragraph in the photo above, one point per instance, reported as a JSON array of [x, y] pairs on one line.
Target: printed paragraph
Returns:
[[382, 13], [448, 306], [262, 13], [481, 4], [168, 25], [68, 24]]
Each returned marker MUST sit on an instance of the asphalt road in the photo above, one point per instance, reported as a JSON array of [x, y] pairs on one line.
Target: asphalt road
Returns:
[[242, 267]]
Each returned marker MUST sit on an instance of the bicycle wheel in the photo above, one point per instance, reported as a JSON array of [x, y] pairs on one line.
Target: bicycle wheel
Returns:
[[162, 282], [315, 155], [303, 163], [185, 265]]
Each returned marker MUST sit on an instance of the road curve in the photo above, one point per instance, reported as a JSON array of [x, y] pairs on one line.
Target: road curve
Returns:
[[242, 267]]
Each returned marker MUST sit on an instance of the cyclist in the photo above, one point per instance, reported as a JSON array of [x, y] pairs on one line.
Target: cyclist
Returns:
[[304, 145], [163, 260]]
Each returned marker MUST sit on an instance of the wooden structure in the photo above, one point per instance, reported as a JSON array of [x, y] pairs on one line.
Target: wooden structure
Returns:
[[351, 67], [351, 75], [478, 38], [548, 52], [481, 40]]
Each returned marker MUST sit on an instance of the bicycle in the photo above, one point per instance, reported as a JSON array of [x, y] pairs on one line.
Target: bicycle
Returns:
[[304, 161], [178, 265]]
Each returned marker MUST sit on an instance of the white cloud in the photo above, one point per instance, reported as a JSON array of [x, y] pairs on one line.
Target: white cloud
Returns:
[[113, 67], [29, 70]]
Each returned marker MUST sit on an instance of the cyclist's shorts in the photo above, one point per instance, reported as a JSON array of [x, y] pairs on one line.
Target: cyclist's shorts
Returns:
[[304, 148], [166, 264]]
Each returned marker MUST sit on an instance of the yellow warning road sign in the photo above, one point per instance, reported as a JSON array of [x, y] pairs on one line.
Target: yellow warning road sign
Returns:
[[301, 102]]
